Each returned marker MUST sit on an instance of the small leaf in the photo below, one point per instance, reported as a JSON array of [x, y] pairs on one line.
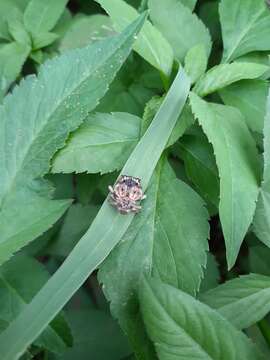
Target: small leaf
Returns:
[[43, 39], [261, 222], [161, 241], [243, 301], [180, 27], [252, 31], [223, 75], [41, 16], [233, 145], [184, 328], [249, 96], [196, 62], [18, 290], [48, 108], [151, 45], [102, 144]]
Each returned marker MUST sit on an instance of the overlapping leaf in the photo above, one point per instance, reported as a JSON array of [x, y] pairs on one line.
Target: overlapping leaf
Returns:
[[238, 165], [243, 301], [180, 27], [245, 27], [184, 328], [151, 45]]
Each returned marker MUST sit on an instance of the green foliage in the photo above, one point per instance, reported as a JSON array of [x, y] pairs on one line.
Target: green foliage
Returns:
[[91, 90]]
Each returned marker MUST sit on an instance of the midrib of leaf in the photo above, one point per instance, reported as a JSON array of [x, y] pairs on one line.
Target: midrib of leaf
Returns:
[[25, 161], [175, 323], [102, 144], [242, 35]]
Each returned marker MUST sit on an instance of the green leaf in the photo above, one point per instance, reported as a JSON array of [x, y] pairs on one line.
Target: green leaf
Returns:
[[9, 11], [184, 328], [261, 222], [17, 291], [106, 230], [86, 29], [259, 57], [57, 102], [243, 301], [189, 3], [180, 27], [19, 33], [90, 328], [151, 45], [211, 274], [12, 58], [238, 165], [159, 244], [223, 75], [43, 39], [196, 62], [200, 165], [102, 144], [41, 16], [249, 96], [252, 31]]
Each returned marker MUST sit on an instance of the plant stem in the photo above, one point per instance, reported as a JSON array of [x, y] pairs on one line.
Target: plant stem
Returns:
[[265, 330]]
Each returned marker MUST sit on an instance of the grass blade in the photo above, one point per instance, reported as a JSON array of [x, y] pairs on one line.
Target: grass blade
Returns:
[[104, 233]]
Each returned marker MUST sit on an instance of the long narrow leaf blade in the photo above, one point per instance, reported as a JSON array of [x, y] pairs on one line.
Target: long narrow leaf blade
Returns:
[[105, 232]]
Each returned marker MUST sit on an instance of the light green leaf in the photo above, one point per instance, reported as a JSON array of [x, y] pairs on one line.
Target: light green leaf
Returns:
[[181, 327], [200, 165], [162, 241], [261, 222], [86, 29], [151, 45], [41, 16], [249, 96], [243, 301], [252, 31], [238, 165], [180, 27], [47, 109], [189, 3], [43, 39], [102, 144], [9, 11], [17, 291], [19, 33], [106, 230], [211, 274], [196, 62], [12, 58], [223, 75], [259, 57]]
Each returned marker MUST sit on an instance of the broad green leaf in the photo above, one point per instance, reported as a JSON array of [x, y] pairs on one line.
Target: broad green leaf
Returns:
[[56, 102], [20, 279], [41, 16], [181, 327], [84, 30], [249, 96], [102, 144], [243, 301], [196, 62], [245, 27], [200, 165], [158, 243], [180, 27], [18, 32], [238, 165], [259, 259], [12, 58], [261, 222], [74, 226], [223, 75], [259, 57], [151, 45], [96, 335], [211, 274], [104, 233]]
